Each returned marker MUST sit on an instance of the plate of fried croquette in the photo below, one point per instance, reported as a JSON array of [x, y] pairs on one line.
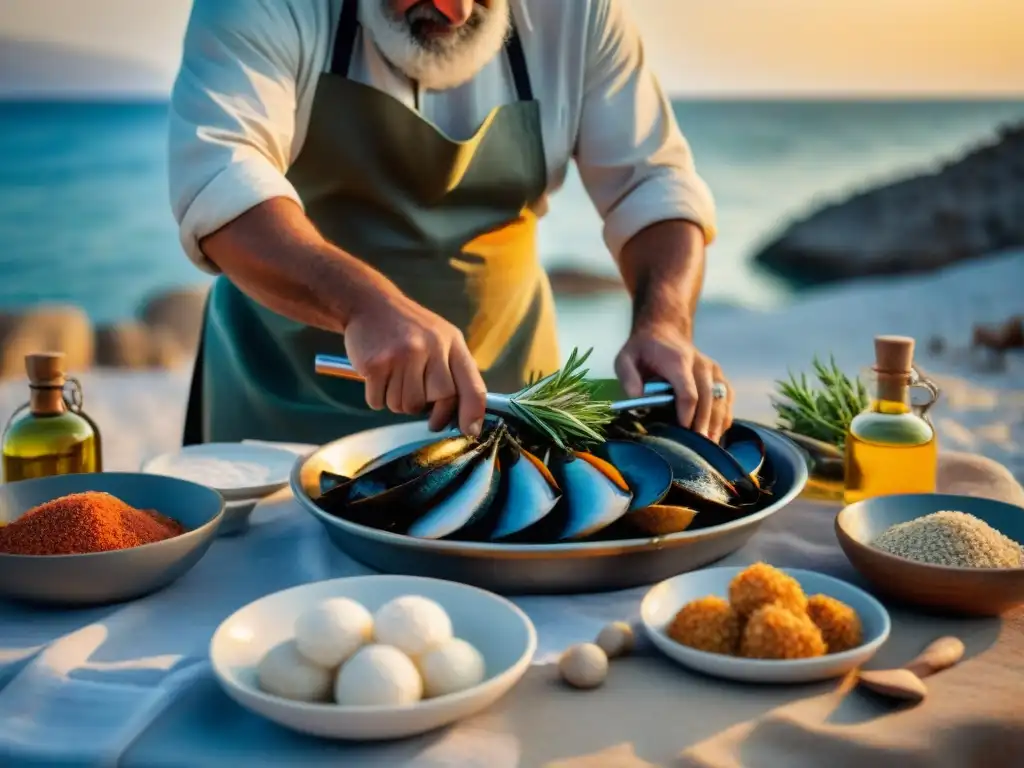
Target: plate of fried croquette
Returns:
[[763, 624]]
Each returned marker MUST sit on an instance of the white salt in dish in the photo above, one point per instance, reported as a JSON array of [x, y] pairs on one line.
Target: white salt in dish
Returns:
[[238, 471]]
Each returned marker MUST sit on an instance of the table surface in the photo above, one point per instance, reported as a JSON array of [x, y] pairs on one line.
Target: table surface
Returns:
[[130, 685]]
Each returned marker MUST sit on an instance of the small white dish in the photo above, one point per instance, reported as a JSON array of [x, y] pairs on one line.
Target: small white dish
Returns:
[[500, 631], [239, 471], [664, 600], [236, 517]]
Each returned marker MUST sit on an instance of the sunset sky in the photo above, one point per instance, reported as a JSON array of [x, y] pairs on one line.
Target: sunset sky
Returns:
[[700, 47]]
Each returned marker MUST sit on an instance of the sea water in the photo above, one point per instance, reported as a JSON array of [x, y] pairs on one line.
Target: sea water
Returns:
[[85, 217]]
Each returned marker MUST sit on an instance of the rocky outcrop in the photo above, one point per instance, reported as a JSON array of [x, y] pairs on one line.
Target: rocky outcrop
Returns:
[[137, 346], [969, 208], [179, 313], [566, 281], [165, 336], [45, 328]]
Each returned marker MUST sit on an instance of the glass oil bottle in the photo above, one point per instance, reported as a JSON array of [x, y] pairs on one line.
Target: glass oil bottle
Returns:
[[51, 434], [891, 447]]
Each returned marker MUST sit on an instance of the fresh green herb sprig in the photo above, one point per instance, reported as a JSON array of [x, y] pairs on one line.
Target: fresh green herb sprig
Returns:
[[823, 412], [562, 407]]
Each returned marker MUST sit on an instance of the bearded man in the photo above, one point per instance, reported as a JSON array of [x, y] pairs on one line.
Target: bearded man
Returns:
[[366, 177]]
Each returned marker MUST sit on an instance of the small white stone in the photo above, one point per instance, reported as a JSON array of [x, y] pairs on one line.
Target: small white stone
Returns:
[[378, 675], [616, 639], [413, 624], [583, 665], [285, 672], [450, 668], [329, 633]]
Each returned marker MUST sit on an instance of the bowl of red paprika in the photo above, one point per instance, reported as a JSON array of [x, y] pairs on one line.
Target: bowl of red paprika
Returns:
[[95, 539]]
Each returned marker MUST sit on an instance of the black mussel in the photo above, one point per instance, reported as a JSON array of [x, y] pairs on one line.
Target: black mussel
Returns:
[[710, 454], [528, 492], [394, 453], [594, 495], [468, 502], [646, 472], [331, 480], [404, 469], [692, 476], [396, 508], [746, 446]]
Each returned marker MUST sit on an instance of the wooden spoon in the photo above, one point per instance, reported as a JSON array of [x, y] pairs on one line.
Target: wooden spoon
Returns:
[[906, 683]]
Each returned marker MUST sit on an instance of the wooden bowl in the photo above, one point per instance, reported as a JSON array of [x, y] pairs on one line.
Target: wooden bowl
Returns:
[[941, 589]]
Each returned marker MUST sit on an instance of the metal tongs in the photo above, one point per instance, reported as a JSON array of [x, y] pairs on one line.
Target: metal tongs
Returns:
[[655, 392]]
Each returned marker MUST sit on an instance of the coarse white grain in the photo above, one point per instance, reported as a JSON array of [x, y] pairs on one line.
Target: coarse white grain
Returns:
[[953, 539]]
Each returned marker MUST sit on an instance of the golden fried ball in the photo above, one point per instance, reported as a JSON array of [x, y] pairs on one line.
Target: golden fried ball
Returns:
[[708, 624], [839, 624], [773, 632], [760, 585]]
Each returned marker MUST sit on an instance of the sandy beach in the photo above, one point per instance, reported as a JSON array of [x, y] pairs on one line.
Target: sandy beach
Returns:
[[981, 409]]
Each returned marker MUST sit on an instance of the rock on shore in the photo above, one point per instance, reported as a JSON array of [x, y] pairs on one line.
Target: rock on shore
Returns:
[[969, 208], [165, 335]]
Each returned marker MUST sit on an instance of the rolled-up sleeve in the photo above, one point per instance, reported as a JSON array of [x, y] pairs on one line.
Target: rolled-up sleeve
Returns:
[[634, 161], [232, 116]]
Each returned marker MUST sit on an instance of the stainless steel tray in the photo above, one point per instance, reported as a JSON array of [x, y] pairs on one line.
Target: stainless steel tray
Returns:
[[519, 569]]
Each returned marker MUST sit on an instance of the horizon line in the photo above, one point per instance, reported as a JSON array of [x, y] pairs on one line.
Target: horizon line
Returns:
[[118, 97]]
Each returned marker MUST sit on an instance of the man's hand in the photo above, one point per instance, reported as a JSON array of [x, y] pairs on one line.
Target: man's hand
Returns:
[[412, 358], [663, 351]]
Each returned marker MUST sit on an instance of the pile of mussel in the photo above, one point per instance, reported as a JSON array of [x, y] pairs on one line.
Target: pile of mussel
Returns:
[[649, 478]]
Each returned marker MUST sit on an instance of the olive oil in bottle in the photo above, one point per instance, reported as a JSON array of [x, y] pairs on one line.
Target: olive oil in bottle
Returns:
[[47, 436], [890, 448]]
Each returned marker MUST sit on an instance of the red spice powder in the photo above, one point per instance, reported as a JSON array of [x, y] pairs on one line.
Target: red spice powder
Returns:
[[82, 523]]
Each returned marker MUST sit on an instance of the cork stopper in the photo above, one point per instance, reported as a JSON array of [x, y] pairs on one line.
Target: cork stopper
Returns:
[[45, 369], [894, 354]]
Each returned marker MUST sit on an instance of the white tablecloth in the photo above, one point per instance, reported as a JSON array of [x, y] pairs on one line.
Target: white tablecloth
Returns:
[[78, 686], [130, 685]]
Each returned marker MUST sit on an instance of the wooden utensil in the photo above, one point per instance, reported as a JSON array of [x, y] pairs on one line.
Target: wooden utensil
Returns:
[[906, 683]]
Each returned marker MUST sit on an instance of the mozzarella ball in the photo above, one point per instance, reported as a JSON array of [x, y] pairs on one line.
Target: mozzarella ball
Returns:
[[450, 668], [616, 639], [378, 675], [583, 666], [413, 624], [285, 672], [330, 632]]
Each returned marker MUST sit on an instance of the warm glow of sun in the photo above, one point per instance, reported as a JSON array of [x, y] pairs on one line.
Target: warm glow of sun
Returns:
[[780, 47]]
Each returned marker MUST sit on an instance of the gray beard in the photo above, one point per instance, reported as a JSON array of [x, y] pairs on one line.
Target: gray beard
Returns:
[[437, 62]]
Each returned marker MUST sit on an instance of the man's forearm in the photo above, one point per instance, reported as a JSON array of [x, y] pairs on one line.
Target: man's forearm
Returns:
[[275, 255], [663, 268]]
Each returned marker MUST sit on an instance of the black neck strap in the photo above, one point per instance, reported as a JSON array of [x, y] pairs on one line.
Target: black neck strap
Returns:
[[348, 28]]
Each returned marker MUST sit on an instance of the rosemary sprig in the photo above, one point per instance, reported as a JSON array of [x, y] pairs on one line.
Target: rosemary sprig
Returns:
[[561, 406], [825, 411]]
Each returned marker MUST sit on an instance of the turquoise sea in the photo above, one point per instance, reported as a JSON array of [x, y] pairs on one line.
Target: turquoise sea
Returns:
[[84, 216]]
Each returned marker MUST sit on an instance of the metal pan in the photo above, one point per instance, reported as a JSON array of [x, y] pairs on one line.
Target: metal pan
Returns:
[[519, 569]]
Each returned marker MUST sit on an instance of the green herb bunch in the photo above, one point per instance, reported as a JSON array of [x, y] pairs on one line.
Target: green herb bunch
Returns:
[[823, 411], [562, 406]]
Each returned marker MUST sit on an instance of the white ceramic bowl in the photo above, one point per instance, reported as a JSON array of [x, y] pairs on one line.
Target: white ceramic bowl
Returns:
[[502, 633], [664, 600], [238, 471]]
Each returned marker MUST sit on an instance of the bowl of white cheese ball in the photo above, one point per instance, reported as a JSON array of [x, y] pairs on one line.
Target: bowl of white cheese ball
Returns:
[[372, 657]]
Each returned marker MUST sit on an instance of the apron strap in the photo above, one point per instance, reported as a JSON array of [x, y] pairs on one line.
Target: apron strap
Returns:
[[517, 62], [348, 28], [193, 431], [345, 37]]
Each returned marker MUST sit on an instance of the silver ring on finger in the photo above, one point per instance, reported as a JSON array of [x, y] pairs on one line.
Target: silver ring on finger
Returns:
[[719, 390]]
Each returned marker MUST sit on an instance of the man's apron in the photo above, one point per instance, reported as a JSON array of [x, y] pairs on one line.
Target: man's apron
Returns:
[[449, 222]]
